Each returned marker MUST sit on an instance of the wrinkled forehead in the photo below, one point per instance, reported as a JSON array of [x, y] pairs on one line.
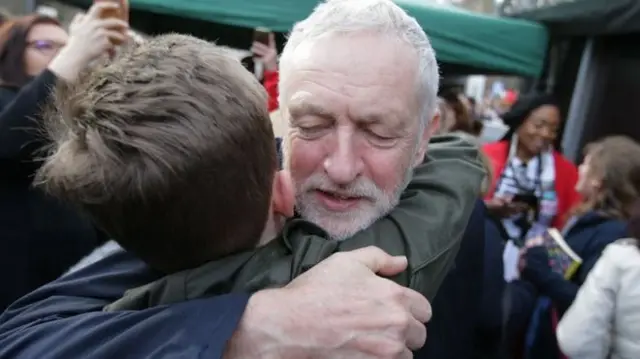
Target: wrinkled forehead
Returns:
[[362, 69]]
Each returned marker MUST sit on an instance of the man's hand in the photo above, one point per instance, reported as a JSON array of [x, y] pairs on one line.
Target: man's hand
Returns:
[[338, 309]]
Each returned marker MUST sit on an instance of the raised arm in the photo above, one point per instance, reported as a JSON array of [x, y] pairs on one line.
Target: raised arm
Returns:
[[20, 121]]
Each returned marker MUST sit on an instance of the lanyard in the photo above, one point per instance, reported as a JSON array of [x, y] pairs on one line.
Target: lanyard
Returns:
[[537, 182]]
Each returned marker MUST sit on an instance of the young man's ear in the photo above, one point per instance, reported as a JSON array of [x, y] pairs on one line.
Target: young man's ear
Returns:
[[429, 130], [282, 198]]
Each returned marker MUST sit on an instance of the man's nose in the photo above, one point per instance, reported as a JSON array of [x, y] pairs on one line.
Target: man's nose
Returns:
[[342, 164]]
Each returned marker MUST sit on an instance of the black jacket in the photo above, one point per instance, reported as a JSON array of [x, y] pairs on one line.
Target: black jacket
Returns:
[[451, 333], [39, 237]]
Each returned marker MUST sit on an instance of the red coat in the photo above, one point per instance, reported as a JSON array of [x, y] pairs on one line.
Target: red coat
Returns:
[[271, 86], [565, 182]]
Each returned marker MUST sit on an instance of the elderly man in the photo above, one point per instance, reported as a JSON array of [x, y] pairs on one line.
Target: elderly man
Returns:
[[358, 87]]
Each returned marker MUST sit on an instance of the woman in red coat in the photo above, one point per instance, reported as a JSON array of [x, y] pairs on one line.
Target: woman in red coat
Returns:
[[533, 185]]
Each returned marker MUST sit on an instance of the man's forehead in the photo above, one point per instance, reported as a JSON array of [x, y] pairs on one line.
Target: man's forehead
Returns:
[[357, 52], [348, 75]]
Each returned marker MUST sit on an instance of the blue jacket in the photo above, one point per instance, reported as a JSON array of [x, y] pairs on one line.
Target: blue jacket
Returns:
[[588, 237], [45, 324], [40, 238]]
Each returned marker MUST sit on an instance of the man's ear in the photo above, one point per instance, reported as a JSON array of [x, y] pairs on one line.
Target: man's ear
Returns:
[[282, 197], [429, 131]]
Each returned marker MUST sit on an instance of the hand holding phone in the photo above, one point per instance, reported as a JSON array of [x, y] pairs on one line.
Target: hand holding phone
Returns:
[[506, 207], [261, 35], [264, 48], [528, 199], [121, 13]]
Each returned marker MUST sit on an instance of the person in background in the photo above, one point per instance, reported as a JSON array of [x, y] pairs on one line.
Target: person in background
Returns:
[[4, 16], [459, 116], [473, 105], [604, 319], [525, 163], [268, 55], [27, 46], [489, 338], [39, 237], [468, 305], [609, 183]]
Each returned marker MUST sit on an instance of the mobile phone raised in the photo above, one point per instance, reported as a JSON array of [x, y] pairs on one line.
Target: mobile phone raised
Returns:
[[261, 35]]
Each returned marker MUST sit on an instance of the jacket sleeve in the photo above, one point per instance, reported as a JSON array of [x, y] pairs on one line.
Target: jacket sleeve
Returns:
[[19, 135], [271, 86], [537, 270], [585, 329], [64, 319], [428, 224]]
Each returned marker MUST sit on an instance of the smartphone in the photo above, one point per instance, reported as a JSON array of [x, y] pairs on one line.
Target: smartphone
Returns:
[[261, 35], [121, 13], [527, 198]]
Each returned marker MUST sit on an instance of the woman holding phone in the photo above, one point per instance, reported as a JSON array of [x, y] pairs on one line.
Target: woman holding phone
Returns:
[[533, 186], [27, 46], [39, 237]]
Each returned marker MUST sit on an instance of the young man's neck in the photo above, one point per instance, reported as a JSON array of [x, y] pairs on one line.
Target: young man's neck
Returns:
[[272, 228]]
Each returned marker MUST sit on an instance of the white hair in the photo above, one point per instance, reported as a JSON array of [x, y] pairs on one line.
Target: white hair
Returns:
[[382, 16]]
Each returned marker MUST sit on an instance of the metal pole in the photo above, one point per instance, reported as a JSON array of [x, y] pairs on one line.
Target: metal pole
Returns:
[[578, 110]]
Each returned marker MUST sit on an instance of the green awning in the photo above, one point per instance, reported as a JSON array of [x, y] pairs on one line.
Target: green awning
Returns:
[[497, 45]]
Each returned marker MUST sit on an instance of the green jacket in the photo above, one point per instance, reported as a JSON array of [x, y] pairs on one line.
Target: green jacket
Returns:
[[426, 226]]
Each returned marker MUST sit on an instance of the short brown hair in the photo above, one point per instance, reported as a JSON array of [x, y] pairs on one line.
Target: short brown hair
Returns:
[[169, 148], [615, 160], [13, 44]]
